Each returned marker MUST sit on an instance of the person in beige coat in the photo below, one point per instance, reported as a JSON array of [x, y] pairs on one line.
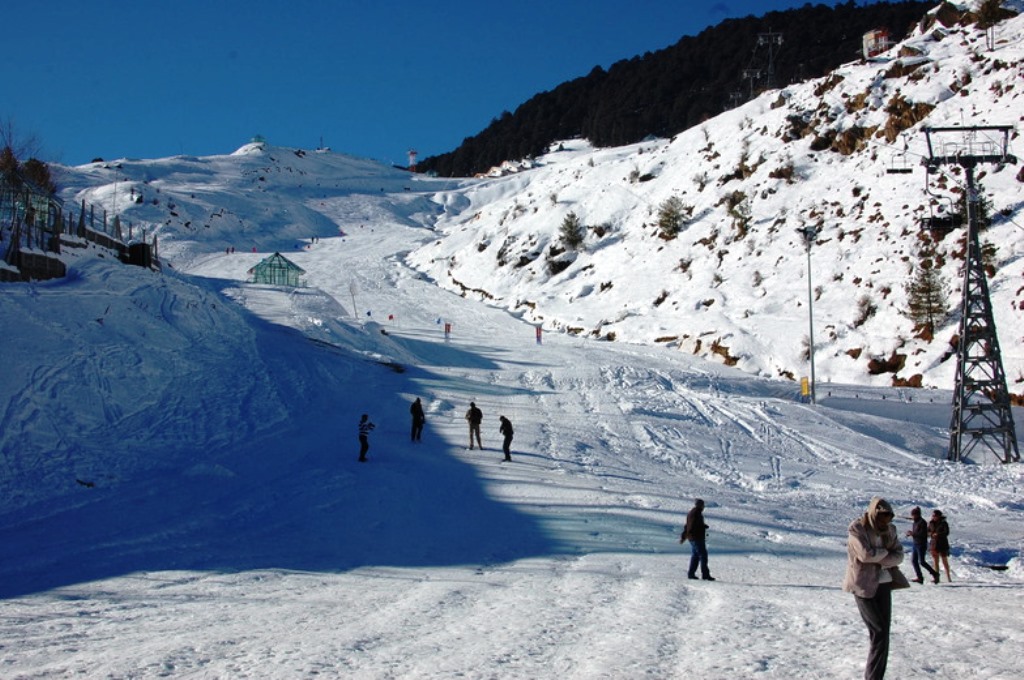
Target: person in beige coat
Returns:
[[873, 553]]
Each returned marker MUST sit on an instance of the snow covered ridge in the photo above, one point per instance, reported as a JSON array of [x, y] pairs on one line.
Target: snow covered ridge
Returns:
[[732, 285], [261, 197]]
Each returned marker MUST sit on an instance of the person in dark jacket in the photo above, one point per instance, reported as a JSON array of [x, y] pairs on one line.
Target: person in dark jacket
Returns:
[[938, 530], [365, 427], [418, 418], [474, 416], [696, 533], [506, 431], [919, 553]]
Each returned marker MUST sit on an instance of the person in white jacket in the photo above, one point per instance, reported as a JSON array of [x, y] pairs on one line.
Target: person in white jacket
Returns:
[[873, 552]]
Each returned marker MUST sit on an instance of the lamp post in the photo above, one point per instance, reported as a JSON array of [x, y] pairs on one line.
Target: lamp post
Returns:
[[810, 234], [117, 170]]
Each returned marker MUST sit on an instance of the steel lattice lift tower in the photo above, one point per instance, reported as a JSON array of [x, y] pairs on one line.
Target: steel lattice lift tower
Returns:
[[981, 402]]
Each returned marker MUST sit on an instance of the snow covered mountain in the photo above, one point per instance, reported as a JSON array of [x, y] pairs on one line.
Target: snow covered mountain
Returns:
[[179, 491], [732, 285]]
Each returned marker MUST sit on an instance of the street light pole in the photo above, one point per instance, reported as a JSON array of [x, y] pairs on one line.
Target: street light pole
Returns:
[[810, 234], [117, 169]]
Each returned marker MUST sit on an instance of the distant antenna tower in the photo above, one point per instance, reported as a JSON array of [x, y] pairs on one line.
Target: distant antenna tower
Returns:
[[412, 160], [761, 71], [754, 76], [981, 402]]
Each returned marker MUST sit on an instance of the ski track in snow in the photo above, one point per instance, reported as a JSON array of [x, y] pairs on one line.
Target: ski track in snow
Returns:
[[607, 456], [612, 443]]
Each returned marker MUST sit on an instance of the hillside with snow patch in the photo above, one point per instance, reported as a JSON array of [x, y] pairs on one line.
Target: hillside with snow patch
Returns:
[[733, 285]]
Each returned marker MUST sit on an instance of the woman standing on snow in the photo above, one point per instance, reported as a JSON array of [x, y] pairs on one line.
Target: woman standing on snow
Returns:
[[938, 530], [873, 551]]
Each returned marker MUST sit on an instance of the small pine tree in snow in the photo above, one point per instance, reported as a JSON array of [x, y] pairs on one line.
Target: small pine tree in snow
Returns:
[[927, 298], [673, 215], [572, 231], [742, 215]]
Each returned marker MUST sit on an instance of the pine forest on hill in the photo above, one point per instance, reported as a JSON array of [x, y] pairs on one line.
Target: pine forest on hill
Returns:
[[665, 92]]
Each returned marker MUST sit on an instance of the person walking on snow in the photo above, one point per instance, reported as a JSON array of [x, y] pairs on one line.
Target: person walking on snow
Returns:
[[365, 426], [474, 416], [873, 553], [938, 529], [418, 418], [506, 431], [696, 532], [919, 553]]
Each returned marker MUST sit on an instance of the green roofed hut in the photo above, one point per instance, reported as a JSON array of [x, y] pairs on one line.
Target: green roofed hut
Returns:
[[277, 270]]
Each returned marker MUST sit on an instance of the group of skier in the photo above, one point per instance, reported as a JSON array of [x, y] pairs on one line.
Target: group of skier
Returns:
[[474, 416]]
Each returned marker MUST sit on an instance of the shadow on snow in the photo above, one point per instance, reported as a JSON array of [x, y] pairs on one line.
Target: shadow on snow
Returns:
[[292, 497]]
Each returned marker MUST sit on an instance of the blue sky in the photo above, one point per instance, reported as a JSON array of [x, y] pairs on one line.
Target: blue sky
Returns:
[[112, 79]]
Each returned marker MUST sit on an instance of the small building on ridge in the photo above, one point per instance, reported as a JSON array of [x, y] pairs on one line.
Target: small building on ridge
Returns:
[[277, 270]]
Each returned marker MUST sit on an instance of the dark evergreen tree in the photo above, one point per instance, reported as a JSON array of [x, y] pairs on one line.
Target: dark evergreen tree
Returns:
[[572, 231], [8, 166], [927, 297], [38, 173], [673, 215]]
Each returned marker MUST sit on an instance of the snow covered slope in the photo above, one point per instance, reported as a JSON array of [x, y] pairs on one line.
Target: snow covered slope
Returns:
[[181, 495], [733, 285], [179, 491]]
